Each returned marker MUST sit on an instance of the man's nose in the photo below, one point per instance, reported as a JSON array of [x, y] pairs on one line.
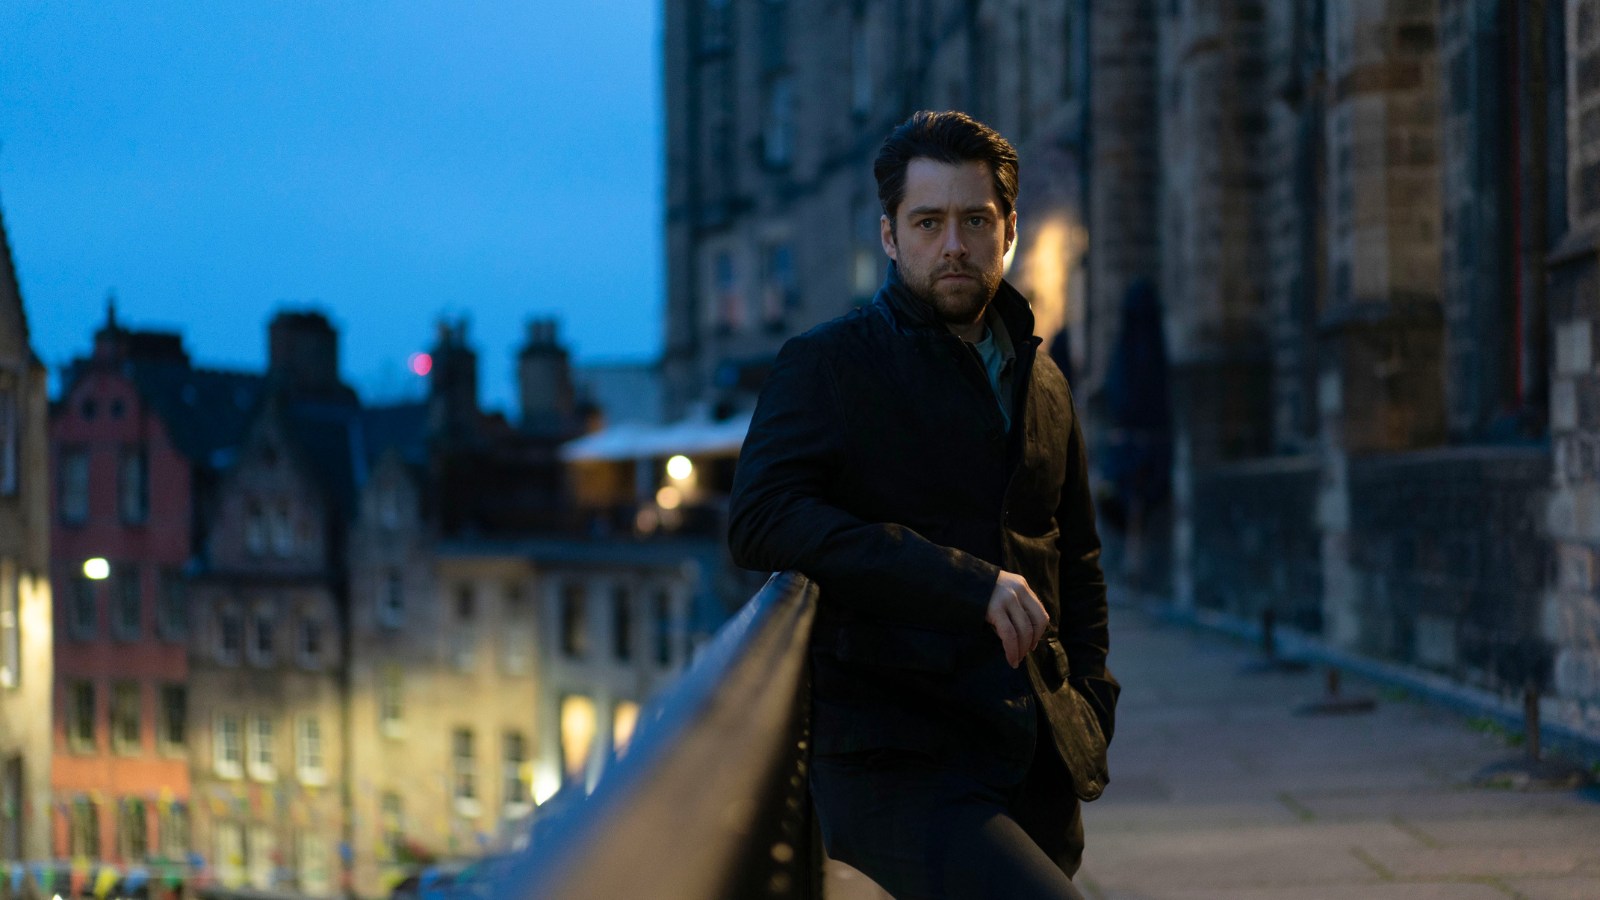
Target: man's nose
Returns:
[[953, 247]]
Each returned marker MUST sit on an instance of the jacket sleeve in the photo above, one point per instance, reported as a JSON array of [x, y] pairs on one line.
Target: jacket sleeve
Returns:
[[784, 514], [1084, 625]]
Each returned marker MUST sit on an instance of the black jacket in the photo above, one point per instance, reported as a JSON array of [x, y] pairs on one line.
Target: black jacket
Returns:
[[879, 465]]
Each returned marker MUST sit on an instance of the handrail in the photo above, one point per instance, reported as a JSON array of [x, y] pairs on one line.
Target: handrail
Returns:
[[710, 799]]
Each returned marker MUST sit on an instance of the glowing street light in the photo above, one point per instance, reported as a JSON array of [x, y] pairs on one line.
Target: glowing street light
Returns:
[[679, 468], [96, 569], [421, 364], [669, 497]]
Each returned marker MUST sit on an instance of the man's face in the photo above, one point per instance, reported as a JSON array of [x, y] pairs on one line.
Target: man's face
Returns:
[[950, 239]]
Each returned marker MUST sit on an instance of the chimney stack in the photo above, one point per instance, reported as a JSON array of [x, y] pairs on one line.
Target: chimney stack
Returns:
[[544, 380]]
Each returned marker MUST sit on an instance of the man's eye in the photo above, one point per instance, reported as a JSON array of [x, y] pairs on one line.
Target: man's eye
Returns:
[[926, 224], [977, 221]]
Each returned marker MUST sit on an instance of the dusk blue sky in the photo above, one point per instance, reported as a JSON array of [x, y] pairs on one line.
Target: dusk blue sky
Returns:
[[385, 162]]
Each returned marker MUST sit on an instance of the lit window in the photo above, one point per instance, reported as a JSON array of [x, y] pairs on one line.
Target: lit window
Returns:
[[309, 751], [624, 719], [465, 777], [514, 788], [577, 736], [125, 726], [10, 625], [261, 855], [316, 864], [229, 746], [261, 759]]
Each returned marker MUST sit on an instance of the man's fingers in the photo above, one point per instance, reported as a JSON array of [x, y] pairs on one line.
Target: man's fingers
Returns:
[[1008, 636], [1026, 635]]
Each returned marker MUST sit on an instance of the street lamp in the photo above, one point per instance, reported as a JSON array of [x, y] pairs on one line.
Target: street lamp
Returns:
[[680, 468], [96, 569]]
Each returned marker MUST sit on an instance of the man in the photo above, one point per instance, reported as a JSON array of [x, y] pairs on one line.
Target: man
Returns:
[[921, 461]]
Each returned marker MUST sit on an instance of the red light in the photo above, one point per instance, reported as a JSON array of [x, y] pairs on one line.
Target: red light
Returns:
[[421, 363]]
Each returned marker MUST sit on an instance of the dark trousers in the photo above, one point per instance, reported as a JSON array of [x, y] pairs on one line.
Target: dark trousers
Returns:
[[924, 829]]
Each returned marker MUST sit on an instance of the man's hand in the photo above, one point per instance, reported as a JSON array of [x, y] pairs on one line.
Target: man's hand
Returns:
[[1016, 615]]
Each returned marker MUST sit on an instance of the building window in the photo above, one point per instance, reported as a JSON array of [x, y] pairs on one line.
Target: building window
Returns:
[[466, 603], [83, 829], [260, 759], [133, 830], [624, 719], [778, 291], [466, 638], [10, 625], [173, 820], [574, 620], [10, 439], [80, 715], [229, 746], [862, 92], [663, 629], [255, 528], [172, 611], [390, 708], [578, 726], [463, 766], [133, 488], [281, 524], [128, 603], [229, 856], [716, 26], [308, 752], [125, 702], [392, 821], [264, 635], [174, 727], [777, 139], [512, 760], [82, 602], [12, 791], [391, 601], [73, 499], [311, 641], [621, 624], [316, 869], [730, 300], [260, 856], [230, 634]]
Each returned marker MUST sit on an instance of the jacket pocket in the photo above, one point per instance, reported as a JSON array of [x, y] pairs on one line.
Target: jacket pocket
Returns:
[[1053, 664], [897, 647]]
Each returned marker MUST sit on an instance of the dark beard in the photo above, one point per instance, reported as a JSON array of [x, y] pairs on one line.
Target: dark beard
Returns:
[[955, 303]]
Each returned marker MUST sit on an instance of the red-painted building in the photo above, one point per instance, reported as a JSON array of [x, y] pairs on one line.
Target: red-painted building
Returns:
[[133, 437]]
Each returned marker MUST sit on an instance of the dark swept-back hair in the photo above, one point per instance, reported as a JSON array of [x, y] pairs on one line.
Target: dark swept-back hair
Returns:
[[947, 137]]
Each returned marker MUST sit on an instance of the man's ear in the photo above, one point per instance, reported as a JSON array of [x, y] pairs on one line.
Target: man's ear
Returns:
[[886, 234], [1011, 229]]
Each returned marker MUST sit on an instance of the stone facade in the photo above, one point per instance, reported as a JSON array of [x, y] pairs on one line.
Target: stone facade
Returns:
[[26, 614], [1372, 227]]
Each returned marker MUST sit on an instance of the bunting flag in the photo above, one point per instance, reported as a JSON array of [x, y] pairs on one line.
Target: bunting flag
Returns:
[[44, 876], [105, 881], [136, 879], [76, 879]]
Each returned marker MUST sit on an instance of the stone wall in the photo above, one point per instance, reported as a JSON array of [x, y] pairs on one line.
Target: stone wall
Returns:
[[1259, 549]]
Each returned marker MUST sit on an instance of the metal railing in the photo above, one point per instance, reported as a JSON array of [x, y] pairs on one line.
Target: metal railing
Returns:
[[710, 800]]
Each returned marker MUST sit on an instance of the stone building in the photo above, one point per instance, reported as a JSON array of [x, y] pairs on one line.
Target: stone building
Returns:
[[26, 615], [501, 642], [1369, 229]]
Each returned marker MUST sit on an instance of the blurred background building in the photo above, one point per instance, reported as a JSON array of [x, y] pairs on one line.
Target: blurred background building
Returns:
[[1322, 276], [26, 657]]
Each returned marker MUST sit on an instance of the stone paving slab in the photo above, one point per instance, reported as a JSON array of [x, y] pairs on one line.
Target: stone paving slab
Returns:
[[1555, 888]]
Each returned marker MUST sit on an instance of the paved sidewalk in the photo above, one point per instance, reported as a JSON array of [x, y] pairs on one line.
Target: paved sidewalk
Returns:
[[1219, 790]]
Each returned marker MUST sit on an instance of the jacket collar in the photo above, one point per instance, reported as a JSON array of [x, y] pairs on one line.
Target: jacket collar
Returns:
[[911, 313]]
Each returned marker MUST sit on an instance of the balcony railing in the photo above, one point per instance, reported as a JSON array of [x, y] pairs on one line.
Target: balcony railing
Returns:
[[710, 800]]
